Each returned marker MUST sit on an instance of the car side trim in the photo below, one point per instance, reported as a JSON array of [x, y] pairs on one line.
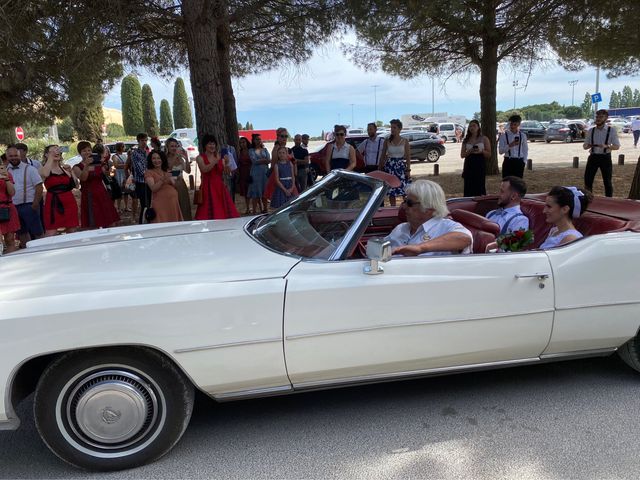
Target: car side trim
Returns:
[[592, 305], [227, 345], [383, 377], [408, 324], [255, 393]]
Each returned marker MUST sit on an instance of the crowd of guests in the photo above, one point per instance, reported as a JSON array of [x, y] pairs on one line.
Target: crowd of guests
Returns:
[[150, 183]]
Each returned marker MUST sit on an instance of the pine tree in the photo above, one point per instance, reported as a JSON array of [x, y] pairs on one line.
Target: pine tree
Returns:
[[181, 111], [88, 118], [250, 126], [586, 105], [636, 98], [149, 117], [239, 126], [614, 100], [246, 127], [626, 97], [166, 121], [131, 97]]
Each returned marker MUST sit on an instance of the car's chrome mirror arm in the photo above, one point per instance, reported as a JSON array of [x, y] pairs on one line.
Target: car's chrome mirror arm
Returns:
[[378, 250]]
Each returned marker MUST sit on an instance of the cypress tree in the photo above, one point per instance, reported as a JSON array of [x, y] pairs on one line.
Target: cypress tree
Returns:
[[166, 121], [131, 98], [149, 117], [181, 111]]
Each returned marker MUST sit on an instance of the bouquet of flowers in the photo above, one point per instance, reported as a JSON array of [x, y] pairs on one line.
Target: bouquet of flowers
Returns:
[[515, 241]]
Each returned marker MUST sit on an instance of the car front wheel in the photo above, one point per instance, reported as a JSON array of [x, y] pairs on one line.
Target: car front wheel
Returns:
[[547, 140], [568, 139], [433, 155], [112, 409], [630, 353]]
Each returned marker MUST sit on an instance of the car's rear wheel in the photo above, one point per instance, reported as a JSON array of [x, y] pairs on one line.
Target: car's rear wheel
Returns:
[[112, 409], [547, 140], [433, 155], [444, 137], [313, 173], [568, 139], [630, 353]]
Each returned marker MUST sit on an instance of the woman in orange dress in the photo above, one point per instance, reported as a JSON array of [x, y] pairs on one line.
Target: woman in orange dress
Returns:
[[164, 195], [216, 200], [60, 206]]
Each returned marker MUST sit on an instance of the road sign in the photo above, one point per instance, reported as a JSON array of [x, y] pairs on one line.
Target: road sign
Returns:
[[596, 98], [19, 133]]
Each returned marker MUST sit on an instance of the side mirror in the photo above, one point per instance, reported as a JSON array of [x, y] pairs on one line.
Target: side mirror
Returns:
[[378, 250]]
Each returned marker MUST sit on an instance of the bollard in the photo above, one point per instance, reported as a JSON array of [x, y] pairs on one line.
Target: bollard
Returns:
[[576, 160], [621, 159], [436, 169], [529, 164]]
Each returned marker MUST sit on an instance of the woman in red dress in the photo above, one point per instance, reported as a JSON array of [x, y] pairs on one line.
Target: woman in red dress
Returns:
[[244, 169], [60, 206], [8, 228], [216, 200], [96, 209]]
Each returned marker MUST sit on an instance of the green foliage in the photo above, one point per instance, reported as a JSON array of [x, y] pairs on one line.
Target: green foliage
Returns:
[[379, 123], [586, 105], [115, 130], [166, 121], [614, 100], [149, 117], [131, 99], [636, 98], [50, 48], [88, 117], [626, 98], [239, 126], [181, 112], [572, 112], [66, 133]]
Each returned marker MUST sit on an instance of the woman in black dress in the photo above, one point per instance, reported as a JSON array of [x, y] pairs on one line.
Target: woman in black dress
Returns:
[[475, 150]]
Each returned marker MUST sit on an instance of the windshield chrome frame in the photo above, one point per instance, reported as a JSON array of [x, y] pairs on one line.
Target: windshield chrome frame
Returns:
[[357, 228]]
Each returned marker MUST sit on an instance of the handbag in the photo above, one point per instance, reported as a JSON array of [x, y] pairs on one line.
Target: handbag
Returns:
[[197, 197], [149, 214], [5, 214]]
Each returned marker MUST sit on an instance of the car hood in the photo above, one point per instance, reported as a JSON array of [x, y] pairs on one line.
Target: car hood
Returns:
[[126, 258]]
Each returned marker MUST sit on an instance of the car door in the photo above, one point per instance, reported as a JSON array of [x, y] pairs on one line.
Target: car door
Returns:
[[423, 313]]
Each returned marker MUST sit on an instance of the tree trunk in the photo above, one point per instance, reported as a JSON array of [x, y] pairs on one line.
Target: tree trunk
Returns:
[[229, 99], [488, 81], [634, 192], [206, 72]]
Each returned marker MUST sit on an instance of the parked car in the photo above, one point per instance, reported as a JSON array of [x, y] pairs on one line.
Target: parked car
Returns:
[[447, 131], [115, 376], [533, 129], [565, 132], [424, 145], [618, 123]]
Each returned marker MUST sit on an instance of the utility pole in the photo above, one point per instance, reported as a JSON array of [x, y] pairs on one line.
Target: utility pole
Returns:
[[353, 125], [375, 103], [515, 87], [597, 89], [573, 87], [433, 97]]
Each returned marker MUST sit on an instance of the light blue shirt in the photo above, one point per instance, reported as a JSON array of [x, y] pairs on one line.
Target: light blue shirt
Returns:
[[432, 228], [502, 215], [554, 238], [517, 151]]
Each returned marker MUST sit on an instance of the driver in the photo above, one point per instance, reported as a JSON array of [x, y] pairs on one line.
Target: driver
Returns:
[[427, 231]]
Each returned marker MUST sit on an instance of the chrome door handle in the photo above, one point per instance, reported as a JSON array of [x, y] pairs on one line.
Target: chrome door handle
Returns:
[[539, 276]]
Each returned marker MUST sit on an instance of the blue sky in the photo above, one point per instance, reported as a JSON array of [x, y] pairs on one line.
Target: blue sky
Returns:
[[319, 95]]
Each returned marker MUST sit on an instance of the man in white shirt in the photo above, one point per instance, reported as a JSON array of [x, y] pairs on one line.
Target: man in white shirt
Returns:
[[600, 140], [371, 148], [23, 149], [509, 216], [635, 129], [28, 186], [427, 231], [513, 145]]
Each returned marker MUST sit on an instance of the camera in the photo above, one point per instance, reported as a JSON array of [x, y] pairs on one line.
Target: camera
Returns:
[[517, 139], [95, 159]]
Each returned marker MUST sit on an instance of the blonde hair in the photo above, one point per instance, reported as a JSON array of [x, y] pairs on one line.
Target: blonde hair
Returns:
[[430, 195]]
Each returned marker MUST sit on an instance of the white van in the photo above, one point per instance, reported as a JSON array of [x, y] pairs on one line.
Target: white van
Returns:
[[188, 138]]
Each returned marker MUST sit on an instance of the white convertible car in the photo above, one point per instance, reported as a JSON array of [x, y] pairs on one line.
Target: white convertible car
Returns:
[[115, 329]]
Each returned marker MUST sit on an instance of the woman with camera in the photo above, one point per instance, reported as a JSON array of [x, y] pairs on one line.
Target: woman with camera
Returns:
[[476, 150], [165, 206], [96, 208], [60, 206], [179, 163]]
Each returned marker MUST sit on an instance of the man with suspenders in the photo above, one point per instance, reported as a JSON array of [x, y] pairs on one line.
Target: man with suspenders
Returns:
[[509, 216], [600, 140], [513, 145], [371, 148]]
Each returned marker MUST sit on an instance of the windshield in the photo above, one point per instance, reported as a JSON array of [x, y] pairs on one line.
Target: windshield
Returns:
[[324, 220]]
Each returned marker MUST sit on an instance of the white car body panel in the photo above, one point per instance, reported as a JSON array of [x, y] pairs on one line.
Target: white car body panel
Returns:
[[221, 320], [597, 292], [411, 317]]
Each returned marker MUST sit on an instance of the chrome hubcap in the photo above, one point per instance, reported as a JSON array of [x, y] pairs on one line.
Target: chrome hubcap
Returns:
[[111, 409]]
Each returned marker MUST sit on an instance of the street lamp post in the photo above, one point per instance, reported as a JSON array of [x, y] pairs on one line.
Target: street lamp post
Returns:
[[353, 125], [515, 87], [375, 103], [573, 87]]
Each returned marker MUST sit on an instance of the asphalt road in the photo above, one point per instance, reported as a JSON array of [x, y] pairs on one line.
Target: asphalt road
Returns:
[[574, 419]]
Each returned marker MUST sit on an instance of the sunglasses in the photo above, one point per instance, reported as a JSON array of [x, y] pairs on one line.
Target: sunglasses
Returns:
[[340, 134], [411, 203], [282, 136]]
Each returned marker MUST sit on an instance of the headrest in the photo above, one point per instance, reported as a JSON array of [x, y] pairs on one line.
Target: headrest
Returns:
[[473, 220]]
